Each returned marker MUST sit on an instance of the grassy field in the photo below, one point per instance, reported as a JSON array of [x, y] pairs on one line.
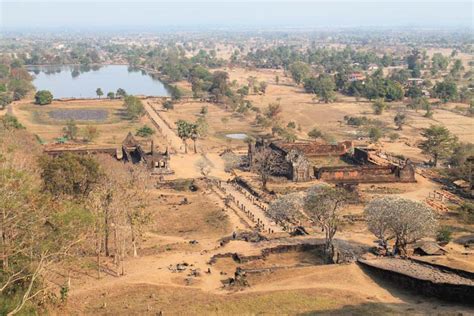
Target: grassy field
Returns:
[[107, 115]]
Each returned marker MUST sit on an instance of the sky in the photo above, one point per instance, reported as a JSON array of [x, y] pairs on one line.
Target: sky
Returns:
[[194, 14]]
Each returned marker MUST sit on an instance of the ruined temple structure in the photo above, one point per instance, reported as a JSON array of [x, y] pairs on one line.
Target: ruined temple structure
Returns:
[[368, 167], [293, 157], [156, 162], [130, 151], [367, 173], [371, 169]]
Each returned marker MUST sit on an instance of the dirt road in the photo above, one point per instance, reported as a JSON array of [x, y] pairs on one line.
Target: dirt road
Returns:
[[173, 140]]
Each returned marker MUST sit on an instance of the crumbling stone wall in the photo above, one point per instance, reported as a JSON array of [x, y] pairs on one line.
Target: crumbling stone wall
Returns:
[[366, 174]]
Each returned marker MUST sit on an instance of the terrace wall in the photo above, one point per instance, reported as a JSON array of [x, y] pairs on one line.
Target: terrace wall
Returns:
[[459, 293]]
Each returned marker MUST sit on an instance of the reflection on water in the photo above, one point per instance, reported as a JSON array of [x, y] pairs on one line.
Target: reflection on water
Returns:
[[82, 81]]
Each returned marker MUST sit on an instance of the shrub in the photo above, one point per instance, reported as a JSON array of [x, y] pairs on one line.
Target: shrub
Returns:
[[467, 212], [10, 122], [444, 235], [145, 131], [315, 133], [394, 136], [168, 105], [375, 133]]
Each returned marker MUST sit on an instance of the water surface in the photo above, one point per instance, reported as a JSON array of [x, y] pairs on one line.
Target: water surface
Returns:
[[239, 136], [68, 81]]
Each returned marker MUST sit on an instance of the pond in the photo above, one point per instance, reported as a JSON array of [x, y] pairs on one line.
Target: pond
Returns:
[[239, 136], [67, 81]]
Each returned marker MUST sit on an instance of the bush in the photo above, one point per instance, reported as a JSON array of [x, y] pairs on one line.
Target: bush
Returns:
[[467, 212], [10, 122], [394, 136], [375, 133], [43, 97], [145, 131], [168, 105], [379, 106], [444, 235], [315, 133]]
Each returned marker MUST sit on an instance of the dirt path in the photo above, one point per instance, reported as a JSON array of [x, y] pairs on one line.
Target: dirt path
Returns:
[[173, 140]]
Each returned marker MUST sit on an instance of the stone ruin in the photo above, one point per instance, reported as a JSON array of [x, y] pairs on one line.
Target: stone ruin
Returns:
[[295, 166], [130, 151], [293, 157]]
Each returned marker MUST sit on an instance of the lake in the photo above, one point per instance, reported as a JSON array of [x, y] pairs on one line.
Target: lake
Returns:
[[68, 81]]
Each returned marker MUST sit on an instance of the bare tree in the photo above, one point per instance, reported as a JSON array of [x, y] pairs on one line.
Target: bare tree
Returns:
[[231, 161], [323, 204], [286, 208], [404, 220], [266, 163], [35, 230], [204, 165]]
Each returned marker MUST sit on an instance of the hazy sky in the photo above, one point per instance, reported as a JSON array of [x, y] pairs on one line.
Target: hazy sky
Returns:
[[76, 15]]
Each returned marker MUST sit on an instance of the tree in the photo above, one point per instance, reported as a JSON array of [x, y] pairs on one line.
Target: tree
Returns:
[[401, 219], [400, 120], [168, 105], [263, 87], [185, 131], [99, 92], [70, 130], [70, 175], [121, 93], [457, 68], [323, 204], [323, 86], [204, 166], [414, 92], [231, 161], [219, 86], [286, 208], [299, 71], [438, 62], [446, 90], [273, 110], [5, 99], [379, 106], [90, 133], [36, 232], [265, 164], [145, 131], [111, 95], [133, 107], [176, 93], [438, 143], [277, 80], [43, 97]]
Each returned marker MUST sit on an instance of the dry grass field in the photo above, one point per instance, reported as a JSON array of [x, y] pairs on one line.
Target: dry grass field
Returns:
[[107, 115]]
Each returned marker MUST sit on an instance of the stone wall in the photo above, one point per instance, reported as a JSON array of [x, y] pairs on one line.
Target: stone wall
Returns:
[[451, 292], [366, 174]]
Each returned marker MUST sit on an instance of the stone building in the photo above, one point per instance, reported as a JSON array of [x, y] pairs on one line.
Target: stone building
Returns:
[[293, 157], [156, 162]]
